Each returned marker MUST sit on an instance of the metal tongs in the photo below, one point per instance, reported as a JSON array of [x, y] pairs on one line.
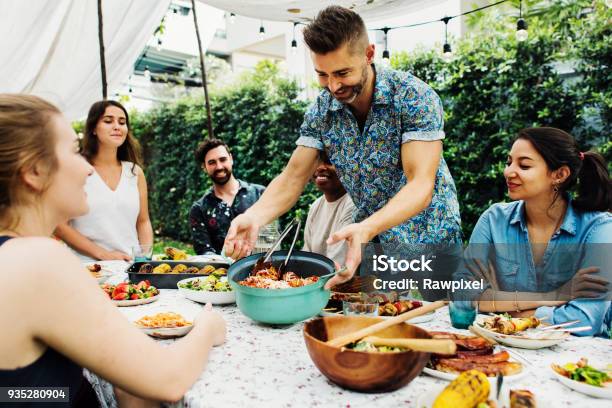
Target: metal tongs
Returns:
[[260, 264]]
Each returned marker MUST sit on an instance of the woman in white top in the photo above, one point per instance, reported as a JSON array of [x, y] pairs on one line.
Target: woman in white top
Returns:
[[118, 217]]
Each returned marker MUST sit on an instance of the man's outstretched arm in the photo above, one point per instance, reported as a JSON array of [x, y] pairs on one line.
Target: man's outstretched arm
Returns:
[[280, 196]]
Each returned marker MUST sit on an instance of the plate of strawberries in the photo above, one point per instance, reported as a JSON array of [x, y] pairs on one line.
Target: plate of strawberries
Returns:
[[131, 294]]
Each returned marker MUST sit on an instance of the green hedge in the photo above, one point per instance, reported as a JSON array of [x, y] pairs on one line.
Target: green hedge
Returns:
[[496, 86], [493, 88], [258, 119]]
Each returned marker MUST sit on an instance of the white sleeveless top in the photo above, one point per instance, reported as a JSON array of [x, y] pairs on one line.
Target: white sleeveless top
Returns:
[[111, 220]]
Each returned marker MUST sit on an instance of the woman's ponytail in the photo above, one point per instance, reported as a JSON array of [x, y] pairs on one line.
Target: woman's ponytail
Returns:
[[594, 187]]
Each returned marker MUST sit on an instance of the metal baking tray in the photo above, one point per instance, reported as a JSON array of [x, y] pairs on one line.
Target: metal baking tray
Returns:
[[168, 280]]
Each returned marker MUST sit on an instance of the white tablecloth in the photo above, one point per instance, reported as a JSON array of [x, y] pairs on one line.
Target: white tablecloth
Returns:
[[262, 366]]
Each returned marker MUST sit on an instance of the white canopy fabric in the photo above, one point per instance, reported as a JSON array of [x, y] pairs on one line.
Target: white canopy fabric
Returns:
[[304, 10], [50, 48]]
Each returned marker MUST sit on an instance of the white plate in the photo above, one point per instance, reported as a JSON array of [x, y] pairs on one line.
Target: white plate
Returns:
[[529, 339], [203, 296], [166, 332], [584, 388], [427, 399], [210, 258], [135, 302]]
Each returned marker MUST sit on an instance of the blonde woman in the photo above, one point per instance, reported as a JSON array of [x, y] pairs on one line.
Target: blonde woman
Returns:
[[56, 318]]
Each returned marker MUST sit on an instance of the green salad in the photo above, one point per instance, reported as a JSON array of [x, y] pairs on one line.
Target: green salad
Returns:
[[587, 374], [583, 372], [370, 348], [211, 283]]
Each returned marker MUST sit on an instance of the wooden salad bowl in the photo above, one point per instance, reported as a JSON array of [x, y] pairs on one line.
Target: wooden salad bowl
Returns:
[[362, 371]]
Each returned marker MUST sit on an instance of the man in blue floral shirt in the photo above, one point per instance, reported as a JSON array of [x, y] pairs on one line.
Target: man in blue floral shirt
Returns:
[[211, 215], [383, 131]]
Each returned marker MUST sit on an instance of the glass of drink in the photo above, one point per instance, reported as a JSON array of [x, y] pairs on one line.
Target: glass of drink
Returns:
[[462, 309], [142, 253]]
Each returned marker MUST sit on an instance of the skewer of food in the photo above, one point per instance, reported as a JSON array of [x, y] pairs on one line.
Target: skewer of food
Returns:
[[389, 303], [505, 324]]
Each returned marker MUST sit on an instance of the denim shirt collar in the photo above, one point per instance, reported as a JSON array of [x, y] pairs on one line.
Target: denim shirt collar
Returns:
[[382, 81], [569, 221]]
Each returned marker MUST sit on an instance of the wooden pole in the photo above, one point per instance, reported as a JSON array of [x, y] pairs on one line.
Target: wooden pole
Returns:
[[102, 59], [203, 68]]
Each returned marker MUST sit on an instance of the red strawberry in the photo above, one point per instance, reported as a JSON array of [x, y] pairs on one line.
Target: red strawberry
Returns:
[[123, 287], [134, 296], [142, 285], [120, 296]]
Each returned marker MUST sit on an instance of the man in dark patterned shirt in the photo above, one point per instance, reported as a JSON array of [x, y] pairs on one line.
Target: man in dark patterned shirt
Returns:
[[211, 215]]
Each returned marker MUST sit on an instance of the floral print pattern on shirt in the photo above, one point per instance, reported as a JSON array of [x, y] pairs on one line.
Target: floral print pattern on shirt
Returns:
[[210, 217], [368, 162]]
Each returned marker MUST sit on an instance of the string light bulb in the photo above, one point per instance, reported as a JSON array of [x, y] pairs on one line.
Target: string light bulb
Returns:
[[385, 54], [521, 30], [294, 42], [521, 25], [447, 51], [232, 18], [159, 44], [262, 31], [147, 72]]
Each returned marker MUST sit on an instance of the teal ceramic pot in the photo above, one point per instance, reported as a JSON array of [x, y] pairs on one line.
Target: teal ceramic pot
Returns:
[[282, 306]]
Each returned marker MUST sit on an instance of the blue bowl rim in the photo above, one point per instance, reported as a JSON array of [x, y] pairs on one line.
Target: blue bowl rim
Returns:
[[239, 266]]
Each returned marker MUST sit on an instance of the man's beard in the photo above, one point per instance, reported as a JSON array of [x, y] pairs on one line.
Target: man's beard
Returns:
[[221, 180], [356, 90]]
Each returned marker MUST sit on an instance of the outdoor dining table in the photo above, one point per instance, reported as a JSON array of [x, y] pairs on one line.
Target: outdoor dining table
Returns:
[[269, 366]]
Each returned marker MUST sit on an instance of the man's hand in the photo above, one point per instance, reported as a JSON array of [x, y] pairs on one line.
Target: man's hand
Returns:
[[354, 235], [241, 237]]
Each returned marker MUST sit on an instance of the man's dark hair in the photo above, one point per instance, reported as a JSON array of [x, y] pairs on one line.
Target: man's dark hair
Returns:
[[323, 157], [333, 27], [206, 146]]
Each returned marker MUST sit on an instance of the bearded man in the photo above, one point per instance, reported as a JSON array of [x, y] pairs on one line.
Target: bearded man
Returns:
[[211, 215], [382, 130]]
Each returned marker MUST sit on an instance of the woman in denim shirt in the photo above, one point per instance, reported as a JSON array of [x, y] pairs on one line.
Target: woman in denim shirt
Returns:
[[547, 252]]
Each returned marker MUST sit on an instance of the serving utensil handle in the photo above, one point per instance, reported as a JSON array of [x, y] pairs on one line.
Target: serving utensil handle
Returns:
[[438, 346], [280, 238], [297, 232], [370, 330]]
